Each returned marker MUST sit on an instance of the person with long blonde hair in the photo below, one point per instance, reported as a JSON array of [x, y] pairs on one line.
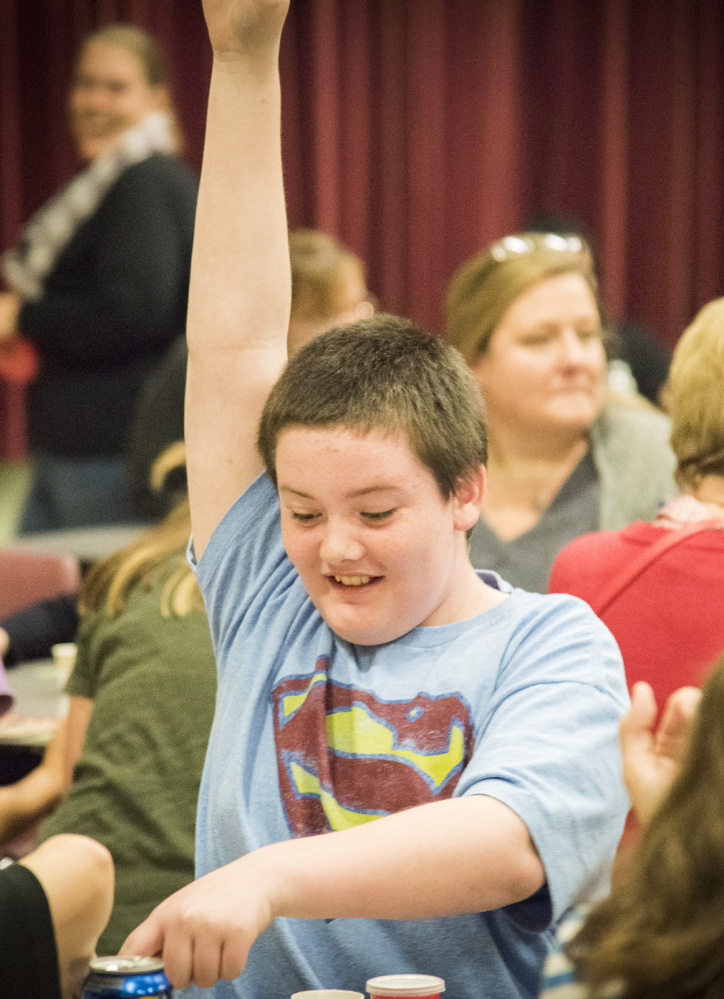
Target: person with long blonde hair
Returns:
[[126, 765]]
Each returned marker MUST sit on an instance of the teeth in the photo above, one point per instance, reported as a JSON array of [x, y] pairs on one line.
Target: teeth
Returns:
[[353, 580]]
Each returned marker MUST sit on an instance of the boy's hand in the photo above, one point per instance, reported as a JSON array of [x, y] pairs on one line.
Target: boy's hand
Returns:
[[204, 931], [651, 759], [247, 27]]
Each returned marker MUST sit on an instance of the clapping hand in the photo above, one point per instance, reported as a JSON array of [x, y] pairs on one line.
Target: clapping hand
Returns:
[[651, 758]]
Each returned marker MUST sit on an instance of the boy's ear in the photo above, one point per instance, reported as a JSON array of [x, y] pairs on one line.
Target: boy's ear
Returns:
[[468, 498]]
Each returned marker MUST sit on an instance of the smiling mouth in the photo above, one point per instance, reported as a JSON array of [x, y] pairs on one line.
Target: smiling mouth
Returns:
[[355, 581]]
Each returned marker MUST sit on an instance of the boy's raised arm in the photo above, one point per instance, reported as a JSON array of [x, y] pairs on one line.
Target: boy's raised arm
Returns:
[[240, 286]]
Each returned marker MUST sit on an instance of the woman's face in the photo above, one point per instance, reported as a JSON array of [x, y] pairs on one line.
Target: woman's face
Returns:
[[545, 364], [110, 94]]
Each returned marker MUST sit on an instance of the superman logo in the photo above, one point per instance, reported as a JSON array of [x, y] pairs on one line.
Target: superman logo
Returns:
[[344, 757]]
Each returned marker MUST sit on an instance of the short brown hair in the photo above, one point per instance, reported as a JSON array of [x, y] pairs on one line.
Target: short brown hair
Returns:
[[696, 393], [483, 288], [384, 372]]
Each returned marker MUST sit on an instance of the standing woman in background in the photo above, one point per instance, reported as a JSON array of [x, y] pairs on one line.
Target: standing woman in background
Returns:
[[564, 457], [100, 280]]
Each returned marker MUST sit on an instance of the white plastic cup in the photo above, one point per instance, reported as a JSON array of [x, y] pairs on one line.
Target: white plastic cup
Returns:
[[64, 656], [327, 994], [406, 987]]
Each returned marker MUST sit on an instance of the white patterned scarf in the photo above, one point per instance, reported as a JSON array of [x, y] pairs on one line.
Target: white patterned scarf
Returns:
[[49, 231]]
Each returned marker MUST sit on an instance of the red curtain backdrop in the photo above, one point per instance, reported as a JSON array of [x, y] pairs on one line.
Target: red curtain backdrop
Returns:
[[419, 130]]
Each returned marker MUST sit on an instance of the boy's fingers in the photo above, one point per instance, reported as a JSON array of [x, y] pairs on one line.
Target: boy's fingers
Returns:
[[145, 941], [178, 959], [233, 956], [206, 969]]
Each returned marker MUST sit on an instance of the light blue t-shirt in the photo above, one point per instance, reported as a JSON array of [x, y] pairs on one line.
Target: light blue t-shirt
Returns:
[[312, 733]]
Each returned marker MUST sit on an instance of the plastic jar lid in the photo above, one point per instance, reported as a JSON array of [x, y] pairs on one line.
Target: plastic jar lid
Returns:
[[406, 985], [126, 965]]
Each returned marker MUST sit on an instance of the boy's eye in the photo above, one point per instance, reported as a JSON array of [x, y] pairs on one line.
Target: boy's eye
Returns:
[[303, 518], [381, 515]]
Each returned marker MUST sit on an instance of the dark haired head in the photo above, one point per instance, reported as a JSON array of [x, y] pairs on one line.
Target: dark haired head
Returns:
[[384, 372]]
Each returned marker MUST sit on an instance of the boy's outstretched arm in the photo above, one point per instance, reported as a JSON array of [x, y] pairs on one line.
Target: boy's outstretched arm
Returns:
[[467, 854], [240, 285]]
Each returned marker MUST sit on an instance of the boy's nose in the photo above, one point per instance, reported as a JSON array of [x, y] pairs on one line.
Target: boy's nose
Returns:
[[339, 545]]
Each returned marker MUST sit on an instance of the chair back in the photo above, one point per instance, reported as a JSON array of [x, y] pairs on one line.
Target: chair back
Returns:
[[26, 577]]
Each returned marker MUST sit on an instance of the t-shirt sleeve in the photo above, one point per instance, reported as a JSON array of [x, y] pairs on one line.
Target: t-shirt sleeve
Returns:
[[244, 569], [84, 679], [549, 747]]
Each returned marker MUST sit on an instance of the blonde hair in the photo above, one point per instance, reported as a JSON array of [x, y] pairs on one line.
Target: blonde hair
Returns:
[[318, 264], [696, 393], [109, 583], [483, 288]]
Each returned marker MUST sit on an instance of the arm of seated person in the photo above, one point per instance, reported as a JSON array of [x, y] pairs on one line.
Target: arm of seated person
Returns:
[[77, 876], [31, 798], [467, 854]]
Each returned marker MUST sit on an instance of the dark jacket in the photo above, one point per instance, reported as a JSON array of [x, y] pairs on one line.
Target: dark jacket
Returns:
[[115, 300]]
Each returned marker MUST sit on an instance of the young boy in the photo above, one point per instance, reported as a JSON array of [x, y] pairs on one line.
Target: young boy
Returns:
[[455, 742]]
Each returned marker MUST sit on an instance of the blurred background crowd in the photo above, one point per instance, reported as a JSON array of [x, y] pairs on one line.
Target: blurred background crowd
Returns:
[[541, 184]]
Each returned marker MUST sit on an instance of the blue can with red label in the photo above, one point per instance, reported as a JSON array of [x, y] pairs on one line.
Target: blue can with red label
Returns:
[[125, 978]]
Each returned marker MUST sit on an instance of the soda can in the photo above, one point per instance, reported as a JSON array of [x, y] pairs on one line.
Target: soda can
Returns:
[[126, 978]]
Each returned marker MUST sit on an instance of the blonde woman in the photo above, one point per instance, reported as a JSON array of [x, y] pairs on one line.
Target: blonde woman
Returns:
[[564, 459], [127, 764]]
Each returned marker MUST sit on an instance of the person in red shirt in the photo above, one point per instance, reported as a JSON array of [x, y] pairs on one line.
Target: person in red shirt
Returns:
[[659, 586]]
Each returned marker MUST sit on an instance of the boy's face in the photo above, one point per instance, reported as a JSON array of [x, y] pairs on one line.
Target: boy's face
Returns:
[[377, 547]]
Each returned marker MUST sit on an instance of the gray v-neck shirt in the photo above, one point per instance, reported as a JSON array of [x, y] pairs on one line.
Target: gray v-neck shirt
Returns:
[[526, 561]]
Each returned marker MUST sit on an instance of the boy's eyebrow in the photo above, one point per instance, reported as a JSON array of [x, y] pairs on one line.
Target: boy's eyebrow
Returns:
[[353, 495]]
